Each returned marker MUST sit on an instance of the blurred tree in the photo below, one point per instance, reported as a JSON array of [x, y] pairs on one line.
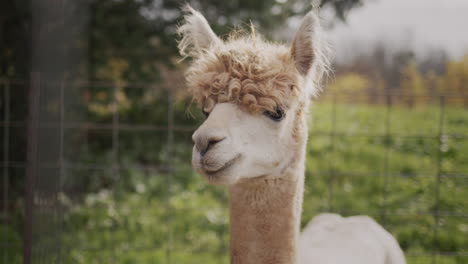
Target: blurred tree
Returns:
[[347, 85], [413, 83], [455, 80], [342, 7]]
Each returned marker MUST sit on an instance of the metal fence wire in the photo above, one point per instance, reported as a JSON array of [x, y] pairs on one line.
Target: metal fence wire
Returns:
[[75, 158]]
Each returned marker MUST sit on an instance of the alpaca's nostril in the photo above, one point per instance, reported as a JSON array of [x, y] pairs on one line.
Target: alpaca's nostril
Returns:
[[210, 143]]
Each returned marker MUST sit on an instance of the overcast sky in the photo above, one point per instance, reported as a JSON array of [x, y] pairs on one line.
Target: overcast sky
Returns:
[[422, 25]]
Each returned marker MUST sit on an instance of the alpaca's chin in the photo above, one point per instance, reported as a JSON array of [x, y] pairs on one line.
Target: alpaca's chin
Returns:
[[219, 175]]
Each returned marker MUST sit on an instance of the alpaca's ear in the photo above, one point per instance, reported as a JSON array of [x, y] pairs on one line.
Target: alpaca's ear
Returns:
[[304, 45], [196, 33]]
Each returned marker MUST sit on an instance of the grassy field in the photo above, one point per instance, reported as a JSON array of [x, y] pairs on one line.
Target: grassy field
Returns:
[[402, 166]]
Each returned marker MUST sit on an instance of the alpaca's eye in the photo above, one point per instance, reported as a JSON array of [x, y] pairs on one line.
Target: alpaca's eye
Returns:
[[206, 114], [275, 116]]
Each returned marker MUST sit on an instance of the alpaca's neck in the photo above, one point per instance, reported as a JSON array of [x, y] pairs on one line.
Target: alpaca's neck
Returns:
[[264, 220], [265, 212]]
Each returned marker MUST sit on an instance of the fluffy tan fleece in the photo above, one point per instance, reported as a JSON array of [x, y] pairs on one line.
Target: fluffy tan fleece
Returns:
[[246, 70]]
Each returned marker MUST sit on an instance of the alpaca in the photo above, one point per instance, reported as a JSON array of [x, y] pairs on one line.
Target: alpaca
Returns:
[[256, 97]]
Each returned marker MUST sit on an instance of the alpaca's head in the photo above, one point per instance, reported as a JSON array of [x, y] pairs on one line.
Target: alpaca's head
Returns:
[[255, 95]]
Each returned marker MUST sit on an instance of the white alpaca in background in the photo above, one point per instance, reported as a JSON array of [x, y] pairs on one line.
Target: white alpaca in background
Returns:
[[256, 97]]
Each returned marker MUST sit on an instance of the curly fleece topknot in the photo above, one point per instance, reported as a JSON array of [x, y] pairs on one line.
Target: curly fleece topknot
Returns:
[[244, 69], [247, 71]]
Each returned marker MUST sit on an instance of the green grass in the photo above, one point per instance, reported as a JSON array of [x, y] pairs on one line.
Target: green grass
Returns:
[[395, 164]]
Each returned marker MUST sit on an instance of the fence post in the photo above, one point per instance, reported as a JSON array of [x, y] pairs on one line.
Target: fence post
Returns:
[[438, 177], [6, 157], [31, 163], [386, 174]]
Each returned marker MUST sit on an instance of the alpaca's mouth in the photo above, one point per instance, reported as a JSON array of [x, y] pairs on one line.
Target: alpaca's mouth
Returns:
[[227, 165]]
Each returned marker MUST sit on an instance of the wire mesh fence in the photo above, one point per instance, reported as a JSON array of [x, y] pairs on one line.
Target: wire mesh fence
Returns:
[[85, 180]]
